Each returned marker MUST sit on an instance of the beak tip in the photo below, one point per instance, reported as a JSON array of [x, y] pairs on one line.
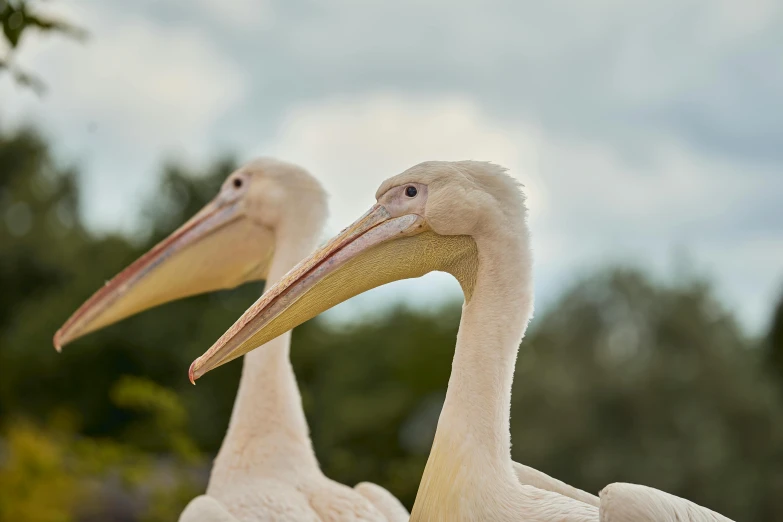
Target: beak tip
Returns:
[[192, 372], [58, 341]]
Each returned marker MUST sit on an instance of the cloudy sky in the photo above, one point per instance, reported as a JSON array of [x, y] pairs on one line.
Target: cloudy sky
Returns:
[[644, 131]]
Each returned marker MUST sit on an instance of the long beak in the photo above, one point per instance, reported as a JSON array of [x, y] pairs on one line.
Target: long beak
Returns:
[[375, 250], [217, 248]]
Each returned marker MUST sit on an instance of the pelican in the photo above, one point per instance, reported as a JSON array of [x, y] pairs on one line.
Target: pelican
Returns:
[[267, 216], [468, 219]]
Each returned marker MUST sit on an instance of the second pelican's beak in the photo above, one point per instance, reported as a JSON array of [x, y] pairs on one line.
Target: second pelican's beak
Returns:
[[218, 248], [375, 250]]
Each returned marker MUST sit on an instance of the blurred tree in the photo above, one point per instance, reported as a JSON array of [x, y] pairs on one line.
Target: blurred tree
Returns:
[[40, 234], [775, 342], [17, 17], [45, 250], [167, 427], [627, 380], [623, 378], [54, 474], [35, 485], [372, 393]]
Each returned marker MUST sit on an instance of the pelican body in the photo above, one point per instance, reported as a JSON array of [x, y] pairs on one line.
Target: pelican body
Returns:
[[267, 216], [468, 219]]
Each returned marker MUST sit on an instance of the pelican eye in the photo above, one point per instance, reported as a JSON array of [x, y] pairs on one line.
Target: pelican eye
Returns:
[[237, 182], [411, 191]]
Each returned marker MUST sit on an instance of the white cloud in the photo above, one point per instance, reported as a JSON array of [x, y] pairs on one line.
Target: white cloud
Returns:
[[352, 145], [704, 70], [244, 15], [637, 126], [589, 203], [134, 90], [150, 83]]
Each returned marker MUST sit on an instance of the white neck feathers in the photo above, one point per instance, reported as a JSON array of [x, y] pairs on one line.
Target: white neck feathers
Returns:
[[471, 455], [268, 433]]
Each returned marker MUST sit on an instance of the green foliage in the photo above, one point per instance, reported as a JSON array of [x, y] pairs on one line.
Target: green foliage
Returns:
[[34, 483], [372, 394], [168, 417], [624, 378], [54, 474]]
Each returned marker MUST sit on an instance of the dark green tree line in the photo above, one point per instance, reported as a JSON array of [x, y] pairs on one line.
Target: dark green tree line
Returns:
[[623, 378], [775, 342]]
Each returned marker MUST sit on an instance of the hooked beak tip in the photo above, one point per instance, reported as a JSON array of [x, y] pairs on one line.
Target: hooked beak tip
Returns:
[[58, 344], [192, 373]]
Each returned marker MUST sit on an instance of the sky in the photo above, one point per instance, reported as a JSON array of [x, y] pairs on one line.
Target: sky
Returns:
[[644, 132]]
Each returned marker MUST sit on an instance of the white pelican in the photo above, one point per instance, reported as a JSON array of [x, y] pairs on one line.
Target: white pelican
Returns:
[[267, 216], [469, 219]]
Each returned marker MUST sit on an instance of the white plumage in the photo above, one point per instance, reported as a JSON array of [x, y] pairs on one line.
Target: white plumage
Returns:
[[267, 216], [466, 218]]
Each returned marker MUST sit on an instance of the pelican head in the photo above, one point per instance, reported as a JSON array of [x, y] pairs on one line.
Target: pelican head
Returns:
[[429, 218], [227, 243]]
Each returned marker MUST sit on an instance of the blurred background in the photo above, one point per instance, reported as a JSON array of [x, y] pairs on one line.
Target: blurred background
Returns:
[[649, 138]]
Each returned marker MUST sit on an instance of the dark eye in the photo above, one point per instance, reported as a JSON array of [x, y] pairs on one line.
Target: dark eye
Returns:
[[237, 182], [411, 191]]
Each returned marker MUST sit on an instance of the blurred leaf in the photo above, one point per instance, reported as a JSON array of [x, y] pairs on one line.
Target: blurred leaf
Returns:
[[16, 18]]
